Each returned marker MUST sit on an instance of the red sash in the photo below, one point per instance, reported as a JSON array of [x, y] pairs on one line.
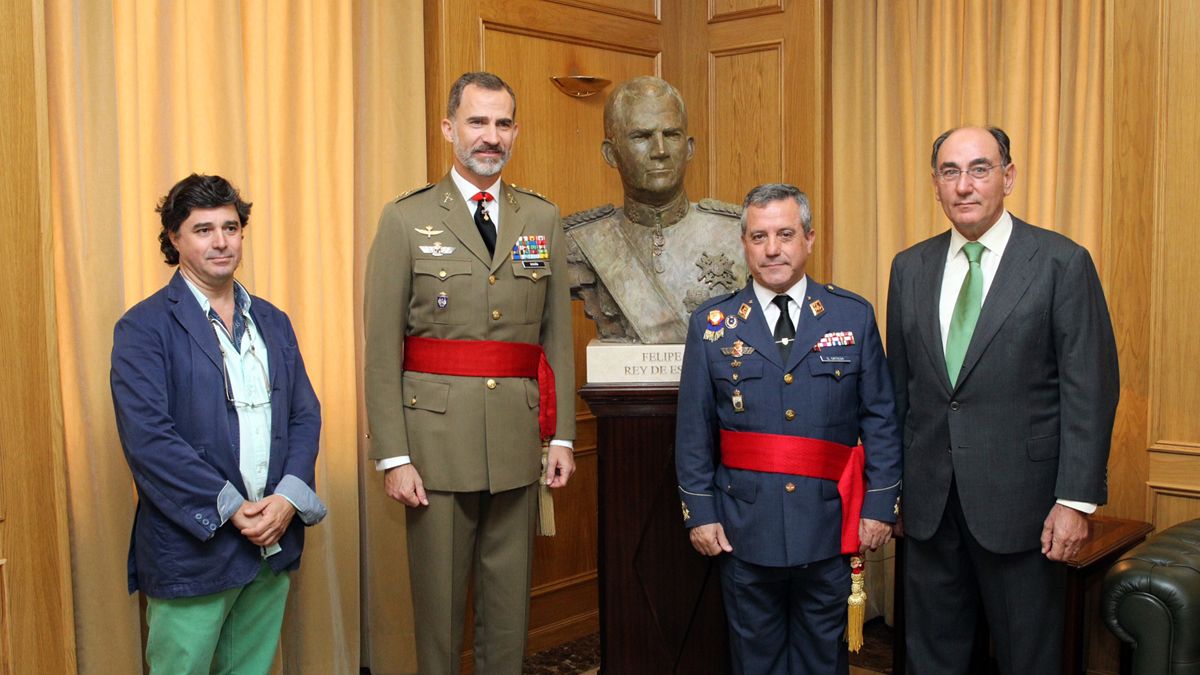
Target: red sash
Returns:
[[800, 456], [488, 358]]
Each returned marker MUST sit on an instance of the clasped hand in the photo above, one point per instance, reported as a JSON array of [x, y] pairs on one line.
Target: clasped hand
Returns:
[[263, 522]]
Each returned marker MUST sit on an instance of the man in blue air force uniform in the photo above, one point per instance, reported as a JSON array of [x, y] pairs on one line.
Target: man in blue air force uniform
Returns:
[[780, 382]]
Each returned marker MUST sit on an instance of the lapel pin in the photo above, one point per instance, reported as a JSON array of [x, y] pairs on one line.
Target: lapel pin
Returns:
[[744, 311], [816, 308]]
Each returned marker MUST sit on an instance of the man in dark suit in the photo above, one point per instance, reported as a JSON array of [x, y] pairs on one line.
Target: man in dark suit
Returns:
[[1005, 368], [780, 381], [220, 428], [468, 326]]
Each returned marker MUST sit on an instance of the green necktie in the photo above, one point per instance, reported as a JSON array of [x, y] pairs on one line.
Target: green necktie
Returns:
[[966, 312]]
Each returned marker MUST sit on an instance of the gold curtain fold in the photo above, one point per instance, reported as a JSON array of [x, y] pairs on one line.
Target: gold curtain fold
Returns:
[[316, 112], [903, 72]]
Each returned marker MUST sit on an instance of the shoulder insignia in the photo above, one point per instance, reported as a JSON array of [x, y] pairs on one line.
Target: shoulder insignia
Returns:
[[720, 208], [839, 291], [587, 216], [527, 191], [413, 191], [713, 301]]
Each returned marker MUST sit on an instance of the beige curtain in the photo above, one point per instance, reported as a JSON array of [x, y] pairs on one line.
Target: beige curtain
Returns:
[[905, 71], [316, 111]]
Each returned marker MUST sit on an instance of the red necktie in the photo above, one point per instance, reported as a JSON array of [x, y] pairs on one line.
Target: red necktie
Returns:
[[487, 229]]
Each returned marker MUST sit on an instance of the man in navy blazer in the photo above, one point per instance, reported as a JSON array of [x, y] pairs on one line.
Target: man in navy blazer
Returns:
[[220, 427], [1005, 367], [780, 382]]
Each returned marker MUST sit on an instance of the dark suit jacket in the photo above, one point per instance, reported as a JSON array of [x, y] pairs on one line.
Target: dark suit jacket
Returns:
[[180, 437], [841, 394], [1031, 417]]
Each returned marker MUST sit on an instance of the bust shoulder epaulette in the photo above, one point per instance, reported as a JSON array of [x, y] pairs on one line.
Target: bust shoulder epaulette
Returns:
[[838, 290], [587, 216], [527, 191], [416, 190], [719, 207]]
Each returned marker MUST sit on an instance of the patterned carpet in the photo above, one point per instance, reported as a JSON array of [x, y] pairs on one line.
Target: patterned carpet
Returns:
[[571, 658], [583, 655]]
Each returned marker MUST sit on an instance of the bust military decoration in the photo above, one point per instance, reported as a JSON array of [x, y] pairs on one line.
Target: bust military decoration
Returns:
[[642, 269]]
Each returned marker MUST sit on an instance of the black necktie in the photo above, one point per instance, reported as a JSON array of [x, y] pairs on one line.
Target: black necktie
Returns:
[[487, 229], [785, 330]]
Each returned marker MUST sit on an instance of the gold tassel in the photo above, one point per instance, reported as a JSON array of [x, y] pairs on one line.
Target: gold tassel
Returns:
[[545, 499], [857, 604]]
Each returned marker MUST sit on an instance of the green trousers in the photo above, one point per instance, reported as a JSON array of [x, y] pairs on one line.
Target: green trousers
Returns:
[[234, 632]]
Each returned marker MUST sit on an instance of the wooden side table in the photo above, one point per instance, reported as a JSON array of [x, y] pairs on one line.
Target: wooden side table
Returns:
[[1110, 539]]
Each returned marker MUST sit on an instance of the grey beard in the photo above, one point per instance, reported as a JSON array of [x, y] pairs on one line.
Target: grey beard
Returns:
[[483, 167]]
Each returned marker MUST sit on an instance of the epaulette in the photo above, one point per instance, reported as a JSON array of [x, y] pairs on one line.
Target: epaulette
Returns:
[[587, 216], [413, 191], [714, 300], [838, 290], [719, 207], [527, 191]]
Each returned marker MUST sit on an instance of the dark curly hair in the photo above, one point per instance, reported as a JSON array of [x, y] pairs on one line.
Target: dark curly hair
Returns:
[[197, 191]]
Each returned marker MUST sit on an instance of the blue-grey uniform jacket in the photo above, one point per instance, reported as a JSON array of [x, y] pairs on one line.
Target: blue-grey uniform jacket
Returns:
[[835, 386]]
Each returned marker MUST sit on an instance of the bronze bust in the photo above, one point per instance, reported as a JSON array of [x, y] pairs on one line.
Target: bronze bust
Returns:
[[642, 269]]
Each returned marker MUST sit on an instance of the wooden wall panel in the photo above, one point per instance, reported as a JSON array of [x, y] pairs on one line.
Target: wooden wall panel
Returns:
[[765, 78], [729, 10], [636, 9], [1176, 397], [6, 667], [1132, 45], [746, 95], [38, 632], [1174, 327]]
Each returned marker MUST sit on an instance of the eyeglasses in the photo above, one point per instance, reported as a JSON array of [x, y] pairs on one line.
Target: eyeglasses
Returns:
[[977, 172], [230, 397]]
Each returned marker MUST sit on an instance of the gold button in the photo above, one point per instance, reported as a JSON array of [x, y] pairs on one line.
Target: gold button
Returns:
[[491, 384], [535, 276], [787, 379], [735, 377], [412, 401], [837, 373], [495, 315], [492, 279], [442, 274], [790, 487], [789, 415]]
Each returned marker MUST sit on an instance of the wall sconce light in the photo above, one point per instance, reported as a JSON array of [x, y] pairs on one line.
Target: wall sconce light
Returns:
[[580, 86]]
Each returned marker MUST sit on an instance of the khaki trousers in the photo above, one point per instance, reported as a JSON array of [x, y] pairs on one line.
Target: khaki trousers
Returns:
[[493, 534]]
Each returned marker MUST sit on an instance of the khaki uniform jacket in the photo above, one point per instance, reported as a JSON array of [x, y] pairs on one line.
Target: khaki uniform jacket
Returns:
[[428, 275]]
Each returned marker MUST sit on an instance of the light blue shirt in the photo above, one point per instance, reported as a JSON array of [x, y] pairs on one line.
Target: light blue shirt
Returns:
[[248, 386]]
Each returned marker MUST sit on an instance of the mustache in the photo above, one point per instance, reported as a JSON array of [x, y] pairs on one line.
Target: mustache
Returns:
[[487, 147]]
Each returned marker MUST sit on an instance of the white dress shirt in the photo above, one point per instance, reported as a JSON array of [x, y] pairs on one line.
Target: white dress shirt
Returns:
[[766, 300], [467, 190]]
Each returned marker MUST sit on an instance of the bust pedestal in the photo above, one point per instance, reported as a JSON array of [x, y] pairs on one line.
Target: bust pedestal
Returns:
[[660, 601]]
